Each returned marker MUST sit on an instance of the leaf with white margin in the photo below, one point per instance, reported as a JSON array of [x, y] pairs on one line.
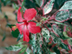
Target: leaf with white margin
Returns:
[[46, 34], [67, 5], [62, 16], [48, 7], [15, 47], [28, 51]]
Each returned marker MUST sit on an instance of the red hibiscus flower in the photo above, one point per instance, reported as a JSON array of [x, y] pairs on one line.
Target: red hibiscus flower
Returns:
[[25, 26]]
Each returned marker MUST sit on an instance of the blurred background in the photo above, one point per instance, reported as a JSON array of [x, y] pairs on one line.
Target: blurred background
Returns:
[[6, 16]]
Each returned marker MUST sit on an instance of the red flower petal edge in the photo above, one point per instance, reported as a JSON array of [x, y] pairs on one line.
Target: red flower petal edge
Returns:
[[30, 14], [19, 16], [20, 27], [33, 28]]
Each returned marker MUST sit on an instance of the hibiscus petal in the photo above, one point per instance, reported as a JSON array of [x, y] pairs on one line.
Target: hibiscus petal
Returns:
[[33, 28], [32, 23], [26, 34], [20, 27], [19, 16], [30, 14]]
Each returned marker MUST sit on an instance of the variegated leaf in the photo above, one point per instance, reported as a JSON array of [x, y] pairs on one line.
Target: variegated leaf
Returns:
[[67, 5], [62, 16], [48, 7]]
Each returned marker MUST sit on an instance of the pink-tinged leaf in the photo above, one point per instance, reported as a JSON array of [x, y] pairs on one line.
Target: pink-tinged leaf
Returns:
[[48, 7], [19, 16], [40, 2], [65, 41], [69, 47], [26, 34], [54, 15], [20, 27], [55, 29], [51, 40], [62, 16], [69, 33], [19, 2], [67, 5], [30, 14], [53, 45], [33, 28], [64, 28]]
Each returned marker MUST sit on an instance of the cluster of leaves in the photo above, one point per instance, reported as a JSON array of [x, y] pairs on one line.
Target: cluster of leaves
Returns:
[[56, 33]]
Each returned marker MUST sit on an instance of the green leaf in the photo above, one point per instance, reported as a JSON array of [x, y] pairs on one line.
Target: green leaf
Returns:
[[39, 2], [44, 19], [2, 1], [23, 8], [70, 12], [67, 5], [33, 40], [29, 4], [64, 46], [56, 50], [15, 6], [23, 3], [19, 37], [61, 16], [15, 47], [23, 50], [28, 51], [65, 34], [15, 33], [58, 32], [6, 2], [70, 41], [48, 7], [9, 25], [6, 17], [35, 43], [59, 23], [4, 36], [38, 43], [38, 24], [0, 6], [46, 34], [59, 3]]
